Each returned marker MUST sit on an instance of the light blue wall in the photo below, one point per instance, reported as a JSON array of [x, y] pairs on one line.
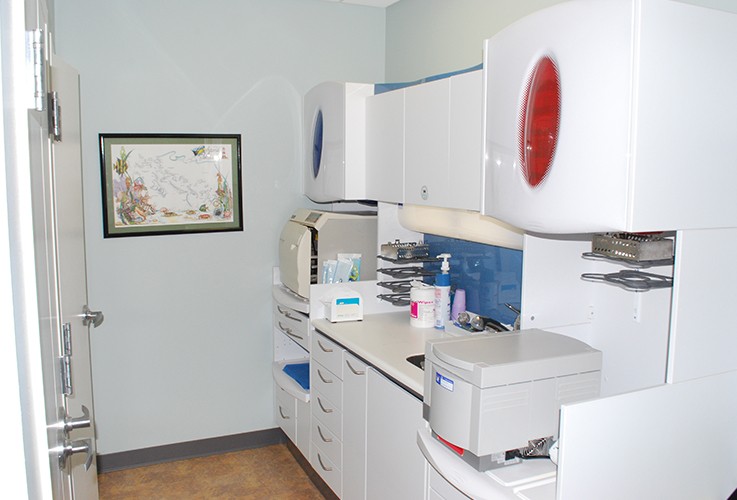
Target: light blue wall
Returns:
[[185, 349], [428, 37]]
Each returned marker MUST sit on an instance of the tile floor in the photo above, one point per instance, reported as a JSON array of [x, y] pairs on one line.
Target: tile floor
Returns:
[[269, 472]]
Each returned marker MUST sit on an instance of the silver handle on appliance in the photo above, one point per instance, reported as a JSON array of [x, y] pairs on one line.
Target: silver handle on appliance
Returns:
[[288, 314], [90, 316], [324, 349], [71, 447], [326, 440], [326, 469], [324, 410], [69, 424], [288, 331], [327, 381], [281, 412], [355, 372]]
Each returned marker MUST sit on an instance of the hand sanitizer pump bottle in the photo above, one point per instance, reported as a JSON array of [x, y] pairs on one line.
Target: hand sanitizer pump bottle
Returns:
[[442, 293]]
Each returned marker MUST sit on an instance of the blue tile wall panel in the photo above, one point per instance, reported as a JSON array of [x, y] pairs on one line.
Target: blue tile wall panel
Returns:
[[491, 276]]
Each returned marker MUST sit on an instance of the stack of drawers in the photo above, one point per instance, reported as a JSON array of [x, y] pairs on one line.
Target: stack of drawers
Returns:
[[291, 343], [326, 385]]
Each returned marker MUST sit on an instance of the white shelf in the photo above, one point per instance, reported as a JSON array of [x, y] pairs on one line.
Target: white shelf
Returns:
[[288, 383]]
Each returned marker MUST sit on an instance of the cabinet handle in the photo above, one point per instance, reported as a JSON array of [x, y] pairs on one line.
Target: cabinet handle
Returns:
[[355, 372], [326, 469], [326, 440], [288, 331], [325, 349], [287, 313], [327, 381], [281, 412], [324, 410]]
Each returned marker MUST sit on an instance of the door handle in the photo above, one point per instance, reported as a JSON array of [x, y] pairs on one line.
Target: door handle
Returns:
[[70, 423], [71, 447], [90, 316]]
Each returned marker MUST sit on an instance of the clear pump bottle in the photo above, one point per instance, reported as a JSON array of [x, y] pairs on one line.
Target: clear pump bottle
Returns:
[[442, 293]]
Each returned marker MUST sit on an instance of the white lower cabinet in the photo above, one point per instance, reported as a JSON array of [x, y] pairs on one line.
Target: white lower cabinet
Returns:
[[440, 489], [354, 427], [395, 466], [326, 387]]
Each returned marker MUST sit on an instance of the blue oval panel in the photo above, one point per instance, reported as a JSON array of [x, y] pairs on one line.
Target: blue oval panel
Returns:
[[317, 144]]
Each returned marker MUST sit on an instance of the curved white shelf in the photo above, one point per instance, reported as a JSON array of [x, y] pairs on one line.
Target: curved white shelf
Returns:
[[288, 383]]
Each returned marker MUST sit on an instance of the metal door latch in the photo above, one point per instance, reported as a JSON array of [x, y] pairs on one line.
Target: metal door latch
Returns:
[[90, 316], [69, 423], [71, 447]]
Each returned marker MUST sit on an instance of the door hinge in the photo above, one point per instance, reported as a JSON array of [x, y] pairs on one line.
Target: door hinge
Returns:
[[37, 49], [54, 116], [65, 363]]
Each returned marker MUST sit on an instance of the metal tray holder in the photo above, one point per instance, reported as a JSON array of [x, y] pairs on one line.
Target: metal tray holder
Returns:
[[633, 250], [410, 256]]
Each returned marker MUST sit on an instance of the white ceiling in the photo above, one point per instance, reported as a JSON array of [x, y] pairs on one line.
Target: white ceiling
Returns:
[[370, 3]]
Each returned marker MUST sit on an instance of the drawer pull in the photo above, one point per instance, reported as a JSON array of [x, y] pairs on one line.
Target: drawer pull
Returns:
[[327, 381], [326, 469], [281, 412], [355, 372], [325, 349], [324, 410], [324, 439], [288, 314], [288, 331]]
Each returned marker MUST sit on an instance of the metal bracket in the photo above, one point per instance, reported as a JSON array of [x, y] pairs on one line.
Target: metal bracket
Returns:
[[54, 116], [36, 41]]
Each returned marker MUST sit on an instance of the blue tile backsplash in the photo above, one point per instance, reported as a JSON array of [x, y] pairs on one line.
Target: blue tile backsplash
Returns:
[[491, 276]]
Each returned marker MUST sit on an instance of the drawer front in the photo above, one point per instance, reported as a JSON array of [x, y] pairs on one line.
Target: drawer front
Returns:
[[327, 383], [285, 413], [328, 470], [293, 324], [327, 353], [328, 413], [328, 442]]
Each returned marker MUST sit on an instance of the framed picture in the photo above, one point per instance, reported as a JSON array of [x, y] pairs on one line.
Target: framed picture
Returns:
[[170, 184]]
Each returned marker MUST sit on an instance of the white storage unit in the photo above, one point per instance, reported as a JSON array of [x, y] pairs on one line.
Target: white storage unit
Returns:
[[442, 142], [385, 147], [354, 427], [395, 466], [327, 411], [335, 141], [621, 114], [292, 332]]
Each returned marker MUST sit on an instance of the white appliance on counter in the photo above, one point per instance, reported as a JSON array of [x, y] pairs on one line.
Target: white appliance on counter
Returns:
[[335, 141], [487, 395], [614, 115], [311, 237]]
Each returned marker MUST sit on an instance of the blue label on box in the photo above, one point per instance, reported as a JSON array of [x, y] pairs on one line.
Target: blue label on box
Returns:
[[348, 301], [444, 382]]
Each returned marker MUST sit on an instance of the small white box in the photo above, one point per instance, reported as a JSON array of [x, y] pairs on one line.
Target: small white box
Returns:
[[343, 305]]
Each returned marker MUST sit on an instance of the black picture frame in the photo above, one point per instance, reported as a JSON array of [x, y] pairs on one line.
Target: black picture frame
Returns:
[[157, 184]]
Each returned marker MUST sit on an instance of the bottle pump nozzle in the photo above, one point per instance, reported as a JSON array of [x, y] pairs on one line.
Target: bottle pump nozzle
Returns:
[[445, 266]]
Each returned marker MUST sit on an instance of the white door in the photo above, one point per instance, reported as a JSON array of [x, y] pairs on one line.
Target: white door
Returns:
[[58, 230], [74, 315]]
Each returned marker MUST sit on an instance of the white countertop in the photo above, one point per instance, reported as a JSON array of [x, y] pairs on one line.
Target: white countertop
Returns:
[[384, 341]]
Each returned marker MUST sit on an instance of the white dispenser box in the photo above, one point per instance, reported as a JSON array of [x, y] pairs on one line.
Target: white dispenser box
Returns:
[[491, 393], [343, 304]]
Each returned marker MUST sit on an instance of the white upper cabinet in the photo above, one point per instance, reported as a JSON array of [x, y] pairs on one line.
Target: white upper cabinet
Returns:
[[612, 116], [335, 141], [385, 147], [442, 137]]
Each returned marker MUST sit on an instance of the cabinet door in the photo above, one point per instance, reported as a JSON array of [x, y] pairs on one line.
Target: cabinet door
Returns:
[[395, 466], [385, 147], [354, 427], [426, 118], [465, 142]]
